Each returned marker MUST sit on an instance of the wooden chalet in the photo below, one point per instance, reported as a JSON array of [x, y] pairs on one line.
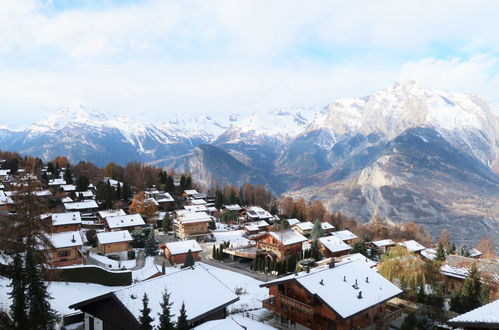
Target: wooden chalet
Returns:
[[176, 252], [332, 246], [346, 296], [66, 249], [102, 215], [306, 227], [86, 206], [204, 295], [188, 225], [484, 317], [279, 244], [412, 246], [256, 227], [345, 235], [128, 222], [114, 242], [383, 245], [69, 221]]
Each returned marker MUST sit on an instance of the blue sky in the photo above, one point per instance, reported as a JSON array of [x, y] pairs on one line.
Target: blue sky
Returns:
[[154, 58]]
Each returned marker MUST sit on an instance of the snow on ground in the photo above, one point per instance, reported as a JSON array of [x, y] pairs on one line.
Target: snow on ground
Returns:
[[252, 295], [149, 269], [233, 236], [114, 264], [64, 294], [235, 321]]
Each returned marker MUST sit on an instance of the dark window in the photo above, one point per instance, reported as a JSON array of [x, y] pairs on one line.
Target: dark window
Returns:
[[366, 316], [63, 253], [280, 287], [91, 323]]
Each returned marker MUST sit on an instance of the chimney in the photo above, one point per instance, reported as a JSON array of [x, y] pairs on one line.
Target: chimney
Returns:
[[367, 279], [331, 264], [356, 282], [344, 278], [321, 282], [73, 239], [359, 296], [307, 269]]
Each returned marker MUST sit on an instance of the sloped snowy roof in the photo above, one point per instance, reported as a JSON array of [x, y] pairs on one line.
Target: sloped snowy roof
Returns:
[[121, 221], [287, 237], [458, 267], [258, 212], [327, 226], [57, 182], [429, 254], [293, 221], [233, 207], [191, 217], [41, 193], [68, 187], [486, 314], [114, 237], [68, 218], [196, 287], [5, 199], [111, 213], [334, 244], [474, 253], [412, 246], [65, 239], [196, 208], [383, 243], [4, 172], [339, 287], [358, 257], [90, 204], [304, 226], [165, 197], [344, 235], [67, 200], [182, 247], [198, 202]]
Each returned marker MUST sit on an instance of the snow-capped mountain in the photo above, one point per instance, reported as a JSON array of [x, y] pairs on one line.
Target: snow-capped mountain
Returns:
[[404, 153]]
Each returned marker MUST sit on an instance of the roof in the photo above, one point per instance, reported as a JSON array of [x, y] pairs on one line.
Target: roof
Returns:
[[304, 226], [326, 226], [412, 245], [5, 199], [90, 204], [41, 193], [198, 202], [339, 287], [429, 254], [233, 207], [121, 221], [114, 237], [200, 290], [334, 244], [65, 239], [474, 252], [111, 213], [182, 247], [288, 237], [484, 315], [191, 217], [68, 218], [165, 197], [196, 208], [57, 182], [344, 235], [383, 243], [68, 187], [191, 192], [258, 212], [293, 221], [458, 267], [359, 257]]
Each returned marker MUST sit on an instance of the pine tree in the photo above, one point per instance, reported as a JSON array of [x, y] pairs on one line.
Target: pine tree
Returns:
[[360, 247], [167, 224], [18, 308], [82, 183], [68, 174], [118, 192], [165, 317], [151, 246], [440, 256], [188, 182], [145, 318], [182, 323], [214, 253], [189, 259], [170, 185], [219, 199], [472, 289]]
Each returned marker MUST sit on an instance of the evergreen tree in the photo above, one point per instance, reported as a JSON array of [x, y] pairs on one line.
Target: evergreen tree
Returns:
[[118, 192], [360, 247], [189, 259], [165, 317], [452, 249], [440, 256], [219, 199], [145, 318], [472, 289], [315, 251], [212, 225], [214, 253], [150, 246], [68, 174], [51, 169], [82, 183], [126, 192], [182, 323], [44, 177], [317, 231], [18, 308], [106, 195], [169, 185], [188, 182], [167, 223], [183, 183]]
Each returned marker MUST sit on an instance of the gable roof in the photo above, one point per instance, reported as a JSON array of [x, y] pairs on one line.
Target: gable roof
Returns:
[[344, 235], [334, 244], [412, 245], [111, 213], [458, 267], [68, 218], [65, 239], [485, 315], [383, 243], [88, 204], [182, 247], [293, 221], [200, 290], [288, 237], [114, 237], [122, 221], [336, 288]]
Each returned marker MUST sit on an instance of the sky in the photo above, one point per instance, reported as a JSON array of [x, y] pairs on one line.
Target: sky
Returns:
[[151, 59]]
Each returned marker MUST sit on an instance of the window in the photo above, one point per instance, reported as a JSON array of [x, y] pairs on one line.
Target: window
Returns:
[[63, 253], [366, 316], [91, 323]]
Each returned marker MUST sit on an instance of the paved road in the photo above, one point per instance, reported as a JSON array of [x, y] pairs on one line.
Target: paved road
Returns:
[[231, 266], [140, 260]]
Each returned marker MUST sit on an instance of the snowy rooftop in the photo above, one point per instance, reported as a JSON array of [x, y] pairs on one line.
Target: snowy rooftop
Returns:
[[288, 237], [196, 208], [88, 193], [4, 199], [412, 246], [359, 257], [66, 239], [57, 182], [383, 243], [197, 287], [334, 244], [234, 322], [339, 287], [164, 198], [111, 213], [190, 217], [191, 192], [68, 187], [258, 212], [475, 253], [486, 314], [121, 221], [293, 221], [458, 267], [68, 218], [67, 200], [182, 247], [429, 254], [90, 204], [304, 226], [114, 237], [198, 202], [344, 235], [4, 172], [41, 193], [233, 207]]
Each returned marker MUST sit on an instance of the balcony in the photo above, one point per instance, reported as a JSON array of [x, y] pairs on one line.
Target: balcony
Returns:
[[307, 309]]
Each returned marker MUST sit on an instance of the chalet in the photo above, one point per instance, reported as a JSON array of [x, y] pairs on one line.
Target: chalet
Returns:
[[87, 194], [188, 225], [475, 254], [484, 317], [66, 249], [114, 241], [430, 254], [42, 193], [193, 194], [6, 203], [176, 252], [236, 208], [412, 246], [332, 246], [4, 174], [279, 244], [384, 245], [56, 182], [306, 227], [124, 222], [293, 221], [196, 208], [359, 257], [165, 200], [204, 295], [347, 296], [254, 213], [69, 221], [255, 227], [456, 268], [345, 235], [88, 206], [102, 215]]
